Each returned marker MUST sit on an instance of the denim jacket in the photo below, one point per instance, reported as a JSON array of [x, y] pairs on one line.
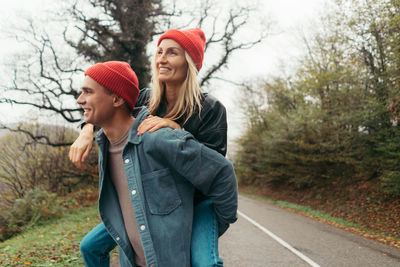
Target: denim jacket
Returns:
[[163, 169]]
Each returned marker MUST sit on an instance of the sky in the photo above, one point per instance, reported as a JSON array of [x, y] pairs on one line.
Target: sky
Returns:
[[280, 49]]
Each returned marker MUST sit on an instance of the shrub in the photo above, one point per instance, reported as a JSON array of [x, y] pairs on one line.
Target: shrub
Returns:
[[25, 165], [36, 207]]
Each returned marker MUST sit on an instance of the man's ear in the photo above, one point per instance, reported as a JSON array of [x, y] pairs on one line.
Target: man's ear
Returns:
[[118, 101]]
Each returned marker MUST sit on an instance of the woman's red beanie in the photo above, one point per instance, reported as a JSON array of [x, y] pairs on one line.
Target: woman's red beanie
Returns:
[[118, 77], [192, 40]]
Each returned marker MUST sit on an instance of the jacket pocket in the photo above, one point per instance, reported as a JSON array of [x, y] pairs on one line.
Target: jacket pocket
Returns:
[[160, 191]]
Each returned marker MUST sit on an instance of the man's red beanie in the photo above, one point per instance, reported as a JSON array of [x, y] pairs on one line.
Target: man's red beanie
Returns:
[[192, 40], [118, 77]]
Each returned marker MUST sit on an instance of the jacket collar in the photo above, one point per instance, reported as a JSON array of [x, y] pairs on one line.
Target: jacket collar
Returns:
[[140, 114]]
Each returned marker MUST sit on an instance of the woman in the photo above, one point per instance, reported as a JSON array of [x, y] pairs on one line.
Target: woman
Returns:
[[175, 101]]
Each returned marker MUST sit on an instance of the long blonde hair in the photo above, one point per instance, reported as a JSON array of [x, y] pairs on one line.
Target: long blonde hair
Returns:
[[189, 96]]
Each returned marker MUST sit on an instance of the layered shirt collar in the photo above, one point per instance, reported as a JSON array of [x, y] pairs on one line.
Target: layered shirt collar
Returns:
[[140, 114]]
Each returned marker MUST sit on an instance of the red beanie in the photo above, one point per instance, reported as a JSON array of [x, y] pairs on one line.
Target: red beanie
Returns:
[[118, 77], [192, 40]]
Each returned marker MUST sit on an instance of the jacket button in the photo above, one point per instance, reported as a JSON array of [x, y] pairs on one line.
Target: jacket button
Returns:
[[127, 161], [133, 192], [142, 227], [117, 238]]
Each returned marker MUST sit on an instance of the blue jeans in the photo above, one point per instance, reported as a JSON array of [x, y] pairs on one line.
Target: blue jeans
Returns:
[[97, 244], [204, 244]]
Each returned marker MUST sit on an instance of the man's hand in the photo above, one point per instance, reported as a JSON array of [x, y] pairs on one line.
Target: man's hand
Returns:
[[153, 123], [80, 149]]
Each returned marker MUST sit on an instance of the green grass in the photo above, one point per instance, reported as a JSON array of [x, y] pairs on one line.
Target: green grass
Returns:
[[54, 244]]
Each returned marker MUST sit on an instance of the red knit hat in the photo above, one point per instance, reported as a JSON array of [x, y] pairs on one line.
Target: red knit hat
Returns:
[[192, 40], [118, 77]]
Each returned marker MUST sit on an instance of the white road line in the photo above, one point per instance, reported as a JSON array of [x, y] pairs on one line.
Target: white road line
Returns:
[[279, 240]]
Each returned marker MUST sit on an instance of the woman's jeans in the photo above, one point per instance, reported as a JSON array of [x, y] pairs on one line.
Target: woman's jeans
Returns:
[[97, 244], [204, 244]]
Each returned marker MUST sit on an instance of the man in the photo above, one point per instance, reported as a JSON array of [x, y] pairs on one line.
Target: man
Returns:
[[147, 182]]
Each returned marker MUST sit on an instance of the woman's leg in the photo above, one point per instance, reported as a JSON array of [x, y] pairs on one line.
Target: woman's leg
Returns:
[[96, 246], [204, 244]]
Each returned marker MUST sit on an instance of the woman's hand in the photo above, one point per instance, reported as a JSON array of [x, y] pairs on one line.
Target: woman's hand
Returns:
[[153, 123], [80, 149]]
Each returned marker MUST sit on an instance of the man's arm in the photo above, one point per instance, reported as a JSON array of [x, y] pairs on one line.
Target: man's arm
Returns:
[[205, 168], [80, 149]]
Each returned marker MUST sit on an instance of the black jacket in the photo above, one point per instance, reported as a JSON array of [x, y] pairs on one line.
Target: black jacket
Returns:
[[210, 128]]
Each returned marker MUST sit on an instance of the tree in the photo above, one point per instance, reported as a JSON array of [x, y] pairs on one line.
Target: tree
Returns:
[[120, 32], [335, 120], [118, 29]]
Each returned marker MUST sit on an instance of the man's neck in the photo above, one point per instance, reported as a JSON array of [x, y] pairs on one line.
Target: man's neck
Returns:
[[118, 128]]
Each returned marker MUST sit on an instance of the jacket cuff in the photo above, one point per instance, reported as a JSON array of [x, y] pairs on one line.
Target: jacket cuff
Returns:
[[83, 123]]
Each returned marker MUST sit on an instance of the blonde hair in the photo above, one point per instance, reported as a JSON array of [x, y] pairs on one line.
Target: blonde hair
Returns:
[[189, 96]]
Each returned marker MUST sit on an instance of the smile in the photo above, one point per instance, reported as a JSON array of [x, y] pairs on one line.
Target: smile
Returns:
[[164, 70]]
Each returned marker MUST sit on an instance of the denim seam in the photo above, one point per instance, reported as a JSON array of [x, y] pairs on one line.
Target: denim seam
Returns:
[[214, 256]]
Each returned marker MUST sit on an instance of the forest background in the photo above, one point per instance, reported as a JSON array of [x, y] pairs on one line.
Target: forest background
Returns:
[[324, 133]]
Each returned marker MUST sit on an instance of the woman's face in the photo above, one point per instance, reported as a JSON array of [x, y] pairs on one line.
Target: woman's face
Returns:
[[171, 63]]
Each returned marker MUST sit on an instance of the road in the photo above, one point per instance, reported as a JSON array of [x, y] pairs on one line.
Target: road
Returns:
[[266, 235], [296, 241]]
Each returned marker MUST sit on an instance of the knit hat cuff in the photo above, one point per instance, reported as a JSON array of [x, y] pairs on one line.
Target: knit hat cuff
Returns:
[[112, 80], [192, 48]]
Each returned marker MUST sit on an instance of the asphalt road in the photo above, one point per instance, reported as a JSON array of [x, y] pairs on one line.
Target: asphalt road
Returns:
[[277, 237]]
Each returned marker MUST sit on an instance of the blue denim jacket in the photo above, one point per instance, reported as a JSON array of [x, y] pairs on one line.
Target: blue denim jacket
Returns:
[[163, 169]]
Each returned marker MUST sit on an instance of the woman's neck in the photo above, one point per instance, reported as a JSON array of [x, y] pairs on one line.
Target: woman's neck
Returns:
[[171, 94]]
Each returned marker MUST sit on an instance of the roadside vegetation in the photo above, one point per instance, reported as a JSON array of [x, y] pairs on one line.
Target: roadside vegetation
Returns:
[[37, 181], [328, 136], [54, 244]]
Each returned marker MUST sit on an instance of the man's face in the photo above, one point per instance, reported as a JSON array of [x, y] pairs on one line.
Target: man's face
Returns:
[[96, 101]]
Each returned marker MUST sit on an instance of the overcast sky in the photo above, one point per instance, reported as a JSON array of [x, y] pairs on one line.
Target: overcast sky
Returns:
[[291, 17]]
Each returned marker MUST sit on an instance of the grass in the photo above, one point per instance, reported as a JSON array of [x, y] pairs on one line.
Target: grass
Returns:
[[54, 244]]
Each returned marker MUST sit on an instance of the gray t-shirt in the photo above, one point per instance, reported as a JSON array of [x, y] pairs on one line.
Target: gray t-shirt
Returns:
[[118, 177]]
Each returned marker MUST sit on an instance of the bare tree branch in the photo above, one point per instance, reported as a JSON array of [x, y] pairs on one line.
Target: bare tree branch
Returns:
[[45, 78], [36, 139], [236, 21]]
